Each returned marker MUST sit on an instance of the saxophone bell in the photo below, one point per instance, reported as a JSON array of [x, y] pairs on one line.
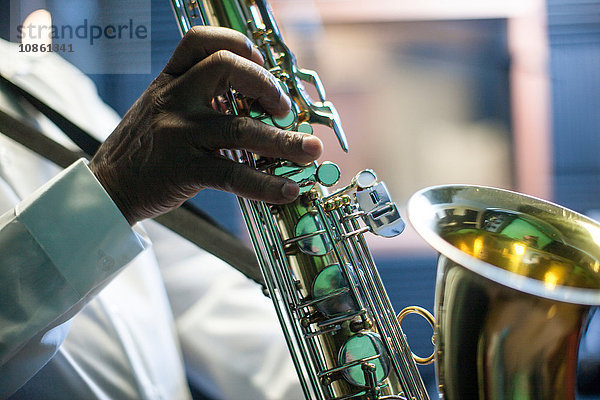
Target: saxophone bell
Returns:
[[517, 279]]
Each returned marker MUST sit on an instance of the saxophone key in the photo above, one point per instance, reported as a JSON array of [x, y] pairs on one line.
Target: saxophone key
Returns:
[[312, 302], [305, 127], [330, 330], [311, 318], [342, 318], [328, 173], [365, 347], [362, 324]]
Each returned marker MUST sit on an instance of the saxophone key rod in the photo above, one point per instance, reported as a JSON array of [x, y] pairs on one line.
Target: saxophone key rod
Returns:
[[290, 276], [385, 319], [331, 295]]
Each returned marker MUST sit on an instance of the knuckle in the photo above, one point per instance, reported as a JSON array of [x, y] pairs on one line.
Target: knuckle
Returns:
[[239, 180], [224, 57], [264, 185], [160, 98], [243, 124], [272, 91], [287, 141], [249, 47], [196, 33], [228, 130], [161, 91], [235, 129], [229, 179], [223, 63], [195, 30], [268, 78]]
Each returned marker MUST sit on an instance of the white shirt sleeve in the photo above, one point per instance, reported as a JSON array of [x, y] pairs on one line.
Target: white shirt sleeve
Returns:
[[58, 248]]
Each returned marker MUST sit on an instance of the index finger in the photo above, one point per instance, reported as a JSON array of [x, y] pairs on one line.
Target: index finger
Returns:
[[224, 70], [202, 41], [231, 132]]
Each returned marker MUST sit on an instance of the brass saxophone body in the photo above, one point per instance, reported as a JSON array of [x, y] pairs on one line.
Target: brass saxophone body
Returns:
[[344, 337], [510, 265]]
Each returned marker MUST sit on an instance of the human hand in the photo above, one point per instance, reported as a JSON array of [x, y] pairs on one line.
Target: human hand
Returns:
[[166, 148]]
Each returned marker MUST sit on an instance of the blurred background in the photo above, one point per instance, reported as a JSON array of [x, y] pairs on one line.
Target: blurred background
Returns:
[[499, 93]]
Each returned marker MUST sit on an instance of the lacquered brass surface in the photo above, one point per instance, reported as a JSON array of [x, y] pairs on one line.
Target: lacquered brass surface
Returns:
[[517, 278], [429, 318], [344, 339]]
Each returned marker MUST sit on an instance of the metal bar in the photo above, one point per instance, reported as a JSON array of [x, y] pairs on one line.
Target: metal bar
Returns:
[[354, 215], [342, 318], [349, 365], [284, 283], [342, 261], [360, 231], [319, 333], [302, 237], [268, 272], [399, 335], [383, 326], [331, 295], [267, 275], [316, 357], [393, 330]]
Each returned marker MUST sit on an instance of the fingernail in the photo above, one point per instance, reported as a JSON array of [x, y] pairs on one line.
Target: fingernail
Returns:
[[290, 190], [312, 146]]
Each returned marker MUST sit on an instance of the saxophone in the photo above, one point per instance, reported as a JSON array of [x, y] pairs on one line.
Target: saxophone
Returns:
[[510, 265]]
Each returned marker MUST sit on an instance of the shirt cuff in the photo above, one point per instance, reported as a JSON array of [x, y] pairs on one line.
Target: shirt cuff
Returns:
[[79, 227]]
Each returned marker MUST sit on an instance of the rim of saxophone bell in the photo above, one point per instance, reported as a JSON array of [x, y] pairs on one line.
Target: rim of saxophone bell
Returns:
[[547, 224]]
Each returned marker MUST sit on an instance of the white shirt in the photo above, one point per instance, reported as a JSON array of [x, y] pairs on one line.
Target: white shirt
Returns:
[[141, 332]]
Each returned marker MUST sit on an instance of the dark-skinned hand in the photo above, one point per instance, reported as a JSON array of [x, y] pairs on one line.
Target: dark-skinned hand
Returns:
[[166, 148]]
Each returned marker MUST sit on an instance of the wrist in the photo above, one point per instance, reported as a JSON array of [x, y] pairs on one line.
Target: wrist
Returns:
[[103, 174]]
